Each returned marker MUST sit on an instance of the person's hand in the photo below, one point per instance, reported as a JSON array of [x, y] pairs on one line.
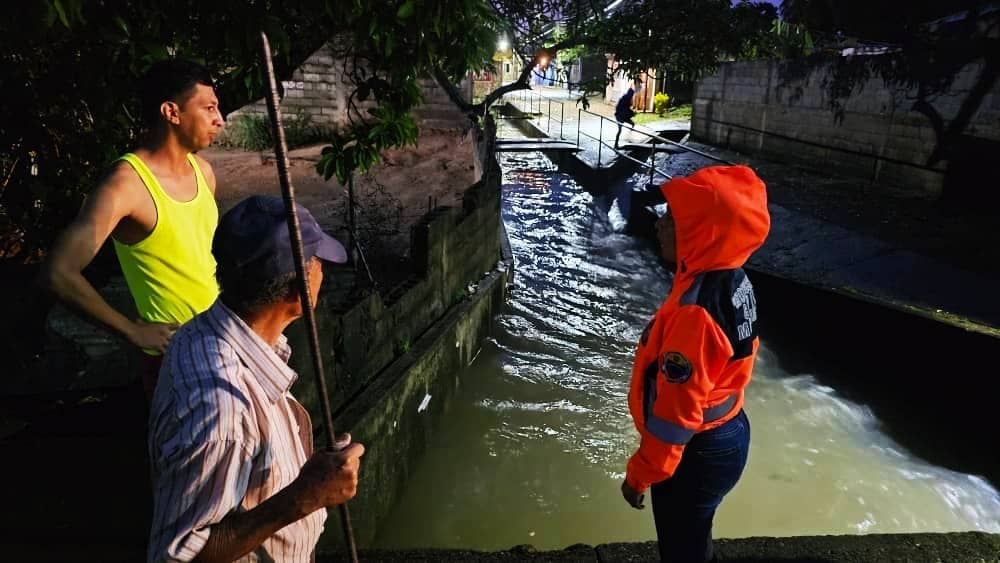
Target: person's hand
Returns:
[[330, 478], [632, 497], [151, 336]]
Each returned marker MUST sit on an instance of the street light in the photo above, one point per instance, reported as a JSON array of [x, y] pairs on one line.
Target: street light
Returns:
[[503, 44]]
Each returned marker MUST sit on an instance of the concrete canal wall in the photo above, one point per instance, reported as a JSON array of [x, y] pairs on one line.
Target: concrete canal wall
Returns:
[[393, 361], [760, 108]]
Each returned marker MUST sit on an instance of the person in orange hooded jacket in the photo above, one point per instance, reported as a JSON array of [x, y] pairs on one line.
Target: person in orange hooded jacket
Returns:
[[695, 357]]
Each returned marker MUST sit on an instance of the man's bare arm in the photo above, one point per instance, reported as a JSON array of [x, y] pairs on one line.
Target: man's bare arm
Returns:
[[76, 247]]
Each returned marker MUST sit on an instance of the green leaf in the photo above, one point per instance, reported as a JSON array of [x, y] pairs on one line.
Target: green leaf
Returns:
[[325, 166], [341, 171], [121, 24], [405, 11], [57, 4]]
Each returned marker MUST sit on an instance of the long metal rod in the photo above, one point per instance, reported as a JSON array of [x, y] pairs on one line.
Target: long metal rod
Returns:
[[600, 143], [288, 194], [562, 117], [353, 226]]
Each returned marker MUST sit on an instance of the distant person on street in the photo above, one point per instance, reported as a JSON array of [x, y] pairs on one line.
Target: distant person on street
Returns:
[[695, 358], [234, 475], [157, 205], [623, 110]]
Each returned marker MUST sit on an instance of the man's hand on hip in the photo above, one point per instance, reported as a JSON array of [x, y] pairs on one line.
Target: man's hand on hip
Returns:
[[151, 336]]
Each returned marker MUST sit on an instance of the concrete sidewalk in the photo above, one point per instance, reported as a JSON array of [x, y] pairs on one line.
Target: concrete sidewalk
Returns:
[[825, 255], [807, 249]]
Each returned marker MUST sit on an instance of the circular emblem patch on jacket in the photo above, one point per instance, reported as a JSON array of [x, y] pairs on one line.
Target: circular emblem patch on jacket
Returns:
[[676, 367]]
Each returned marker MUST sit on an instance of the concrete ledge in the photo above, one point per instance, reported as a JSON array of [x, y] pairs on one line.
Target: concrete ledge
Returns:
[[960, 546]]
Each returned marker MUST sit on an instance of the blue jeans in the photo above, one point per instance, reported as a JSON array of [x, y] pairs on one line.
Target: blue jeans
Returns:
[[684, 505]]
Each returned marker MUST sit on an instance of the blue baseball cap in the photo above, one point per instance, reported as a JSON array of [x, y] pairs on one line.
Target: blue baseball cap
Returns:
[[252, 237]]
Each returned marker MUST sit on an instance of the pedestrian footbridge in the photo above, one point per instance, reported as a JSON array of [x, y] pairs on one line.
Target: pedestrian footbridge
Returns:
[[531, 145]]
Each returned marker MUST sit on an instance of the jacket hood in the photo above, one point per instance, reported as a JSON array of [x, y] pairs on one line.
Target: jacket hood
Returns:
[[721, 217]]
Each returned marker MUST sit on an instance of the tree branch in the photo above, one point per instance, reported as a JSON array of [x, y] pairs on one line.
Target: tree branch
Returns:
[[984, 84], [451, 90], [520, 84], [474, 111]]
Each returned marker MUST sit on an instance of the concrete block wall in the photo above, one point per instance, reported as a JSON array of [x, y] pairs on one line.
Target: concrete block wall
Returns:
[[319, 89], [437, 110], [452, 249], [748, 106], [400, 413], [316, 88], [393, 361]]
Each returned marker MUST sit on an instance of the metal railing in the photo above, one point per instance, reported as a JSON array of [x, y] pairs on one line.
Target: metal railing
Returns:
[[653, 137], [534, 102], [529, 98], [560, 121], [515, 99], [600, 144]]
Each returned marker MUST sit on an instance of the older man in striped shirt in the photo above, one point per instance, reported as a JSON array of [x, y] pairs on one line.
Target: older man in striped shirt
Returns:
[[233, 478]]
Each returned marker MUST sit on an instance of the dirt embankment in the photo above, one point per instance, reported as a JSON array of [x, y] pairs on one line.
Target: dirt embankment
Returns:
[[439, 166], [390, 197]]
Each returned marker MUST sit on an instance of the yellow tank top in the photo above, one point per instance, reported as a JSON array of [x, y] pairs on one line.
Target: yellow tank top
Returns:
[[171, 272]]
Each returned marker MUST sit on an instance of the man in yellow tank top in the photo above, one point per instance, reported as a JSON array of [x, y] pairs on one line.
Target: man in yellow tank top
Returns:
[[158, 205]]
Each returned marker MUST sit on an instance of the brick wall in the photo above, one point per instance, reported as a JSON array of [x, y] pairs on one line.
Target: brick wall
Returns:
[[747, 106]]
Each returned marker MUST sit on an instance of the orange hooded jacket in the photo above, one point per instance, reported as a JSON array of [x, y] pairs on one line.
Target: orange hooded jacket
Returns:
[[696, 354]]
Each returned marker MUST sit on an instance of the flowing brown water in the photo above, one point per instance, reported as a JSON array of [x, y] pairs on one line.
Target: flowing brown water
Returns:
[[534, 446]]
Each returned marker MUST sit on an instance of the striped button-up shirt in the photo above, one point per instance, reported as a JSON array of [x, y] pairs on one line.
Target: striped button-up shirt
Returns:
[[225, 434]]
